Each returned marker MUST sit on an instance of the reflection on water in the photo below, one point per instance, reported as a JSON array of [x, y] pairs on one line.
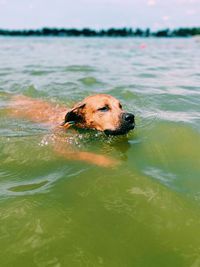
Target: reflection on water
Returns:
[[145, 212]]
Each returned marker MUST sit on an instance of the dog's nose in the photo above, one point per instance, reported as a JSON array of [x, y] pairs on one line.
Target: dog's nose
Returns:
[[129, 117]]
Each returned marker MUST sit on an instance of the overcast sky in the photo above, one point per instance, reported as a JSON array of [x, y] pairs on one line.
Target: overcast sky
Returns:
[[23, 14]]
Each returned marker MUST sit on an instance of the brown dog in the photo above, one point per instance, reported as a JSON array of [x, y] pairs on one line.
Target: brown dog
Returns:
[[100, 112], [103, 113]]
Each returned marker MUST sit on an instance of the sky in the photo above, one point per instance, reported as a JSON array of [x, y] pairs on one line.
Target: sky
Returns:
[[98, 14]]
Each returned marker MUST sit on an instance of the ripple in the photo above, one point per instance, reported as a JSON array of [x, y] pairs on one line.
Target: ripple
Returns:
[[158, 174], [39, 72], [8, 175], [4, 73], [90, 81], [146, 119], [79, 68], [32, 91], [133, 91], [21, 128], [147, 75], [191, 88], [40, 184], [184, 91], [27, 187], [178, 116], [122, 91]]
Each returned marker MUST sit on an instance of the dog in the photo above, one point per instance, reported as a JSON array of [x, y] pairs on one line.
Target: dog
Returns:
[[100, 112]]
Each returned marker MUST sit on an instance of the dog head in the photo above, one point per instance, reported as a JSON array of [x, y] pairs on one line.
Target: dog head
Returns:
[[103, 113]]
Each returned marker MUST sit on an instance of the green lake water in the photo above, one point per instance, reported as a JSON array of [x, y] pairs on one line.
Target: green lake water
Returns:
[[143, 213]]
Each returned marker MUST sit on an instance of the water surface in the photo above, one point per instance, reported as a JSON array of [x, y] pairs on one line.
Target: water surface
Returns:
[[145, 212]]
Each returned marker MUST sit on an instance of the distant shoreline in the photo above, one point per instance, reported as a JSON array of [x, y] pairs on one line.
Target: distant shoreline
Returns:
[[112, 32]]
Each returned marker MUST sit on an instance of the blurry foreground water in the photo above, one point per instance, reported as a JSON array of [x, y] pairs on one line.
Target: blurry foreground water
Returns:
[[144, 213]]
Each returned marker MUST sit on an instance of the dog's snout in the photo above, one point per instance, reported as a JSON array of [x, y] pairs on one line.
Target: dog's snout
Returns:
[[128, 117]]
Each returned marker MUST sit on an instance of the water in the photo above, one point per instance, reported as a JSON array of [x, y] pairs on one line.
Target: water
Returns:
[[144, 212]]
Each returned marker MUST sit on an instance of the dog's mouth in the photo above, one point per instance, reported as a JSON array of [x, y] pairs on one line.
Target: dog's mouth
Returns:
[[124, 129], [127, 124], [119, 131]]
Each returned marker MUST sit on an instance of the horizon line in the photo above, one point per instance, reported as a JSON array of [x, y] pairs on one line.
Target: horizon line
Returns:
[[97, 29], [110, 32]]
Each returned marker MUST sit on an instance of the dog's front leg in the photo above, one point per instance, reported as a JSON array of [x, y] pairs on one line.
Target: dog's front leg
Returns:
[[62, 149]]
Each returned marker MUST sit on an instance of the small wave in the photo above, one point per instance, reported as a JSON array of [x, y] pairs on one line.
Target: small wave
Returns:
[[41, 184], [38, 72], [196, 75], [123, 91], [32, 91], [177, 116], [8, 175], [147, 75], [182, 91], [3, 94], [79, 68], [148, 117], [90, 81], [160, 175], [3, 74], [21, 128], [134, 91], [27, 187]]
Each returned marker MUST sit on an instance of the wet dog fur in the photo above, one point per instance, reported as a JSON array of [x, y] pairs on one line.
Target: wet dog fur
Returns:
[[99, 112]]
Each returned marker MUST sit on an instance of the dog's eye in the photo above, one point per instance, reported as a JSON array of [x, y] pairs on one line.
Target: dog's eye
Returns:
[[103, 109], [120, 106]]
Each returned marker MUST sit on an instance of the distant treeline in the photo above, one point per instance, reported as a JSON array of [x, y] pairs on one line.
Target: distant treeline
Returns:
[[112, 32]]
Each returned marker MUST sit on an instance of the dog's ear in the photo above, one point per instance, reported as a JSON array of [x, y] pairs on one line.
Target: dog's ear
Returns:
[[76, 114]]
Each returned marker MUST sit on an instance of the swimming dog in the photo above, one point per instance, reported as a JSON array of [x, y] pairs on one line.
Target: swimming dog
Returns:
[[99, 112]]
